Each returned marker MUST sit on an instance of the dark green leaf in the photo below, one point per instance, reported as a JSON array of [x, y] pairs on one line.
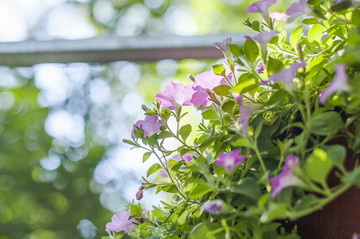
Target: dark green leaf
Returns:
[[355, 19], [337, 154], [205, 230], [326, 123], [201, 189], [247, 187], [170, 188], [228, 106], [353, 177], [274, 66], [164, 135], [275, 211]]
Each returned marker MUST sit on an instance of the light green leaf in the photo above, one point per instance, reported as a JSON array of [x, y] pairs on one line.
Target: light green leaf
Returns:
[[222, 90], [228, 106], [318, 166], [245, 86], [295, 36], [164, 135], [170, 188], [185, 131], [251, 50], [136, 210], [235, 50], [274, 66], [315, 33], [146, 156], [311, 21], [209, 114], [153, 169], [201, 189], [219, 70]]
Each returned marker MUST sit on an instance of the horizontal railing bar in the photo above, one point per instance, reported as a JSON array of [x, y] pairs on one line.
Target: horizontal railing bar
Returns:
[[106, 49]]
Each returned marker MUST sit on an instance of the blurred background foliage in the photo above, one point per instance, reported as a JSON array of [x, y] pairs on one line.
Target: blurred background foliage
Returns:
[[63, 168]]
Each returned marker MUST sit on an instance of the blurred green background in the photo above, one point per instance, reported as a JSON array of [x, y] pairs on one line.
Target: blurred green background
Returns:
[[63, 168]]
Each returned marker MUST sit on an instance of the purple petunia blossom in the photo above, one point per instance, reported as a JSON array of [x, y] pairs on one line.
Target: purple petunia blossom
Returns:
[[261, 7], [186, 157], [286, 178], [121, 222], [175, 95], [224, 47], [205, 82], [339, 83], [230, 160], [151, 125], [263, 39], [245, 112], [297, 10], [212, 206], [286, 76]]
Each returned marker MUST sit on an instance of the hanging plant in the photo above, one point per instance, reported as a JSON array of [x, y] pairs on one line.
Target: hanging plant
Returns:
[[279, 138]]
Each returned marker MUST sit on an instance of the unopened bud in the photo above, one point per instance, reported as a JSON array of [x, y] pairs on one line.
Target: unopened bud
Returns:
[[145, 108], [139, 194], [190, 77]]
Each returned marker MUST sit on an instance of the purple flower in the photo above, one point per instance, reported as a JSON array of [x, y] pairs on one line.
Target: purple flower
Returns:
[[297, 10], [175, 95], [205, 82], [186, 157], [263, 39], [121, 222], [230, 160], [260, 67], [151, 125], [212, 206], [278, 16], [286, 178], [339, 83], [286, 76], [245, 112], [224, 47], [261, 7]]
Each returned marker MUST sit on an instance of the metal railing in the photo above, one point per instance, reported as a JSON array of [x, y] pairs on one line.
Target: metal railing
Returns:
[[106, 49]]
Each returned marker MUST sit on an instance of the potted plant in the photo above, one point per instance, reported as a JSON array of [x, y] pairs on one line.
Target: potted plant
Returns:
[[277, 150]]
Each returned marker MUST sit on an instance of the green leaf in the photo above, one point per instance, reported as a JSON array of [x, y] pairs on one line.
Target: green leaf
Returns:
[[295, 36], [255, 26], [247, 187], [235, 50], [315, 33], [251, 50], [245, 86], [164, 135], [337, 154], [126, 236], [219, 70], [153, 169], [355, 19], [136, 210], [311, 21], [353, 177], [185, 131], [201, 189], [228, 106], [318, 166], [243, 142], [222, 90], [275, 211], [165, 114], [326, 123], [146, 156], [209, 114], [170, 188], [274, 66], [207, 230]]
